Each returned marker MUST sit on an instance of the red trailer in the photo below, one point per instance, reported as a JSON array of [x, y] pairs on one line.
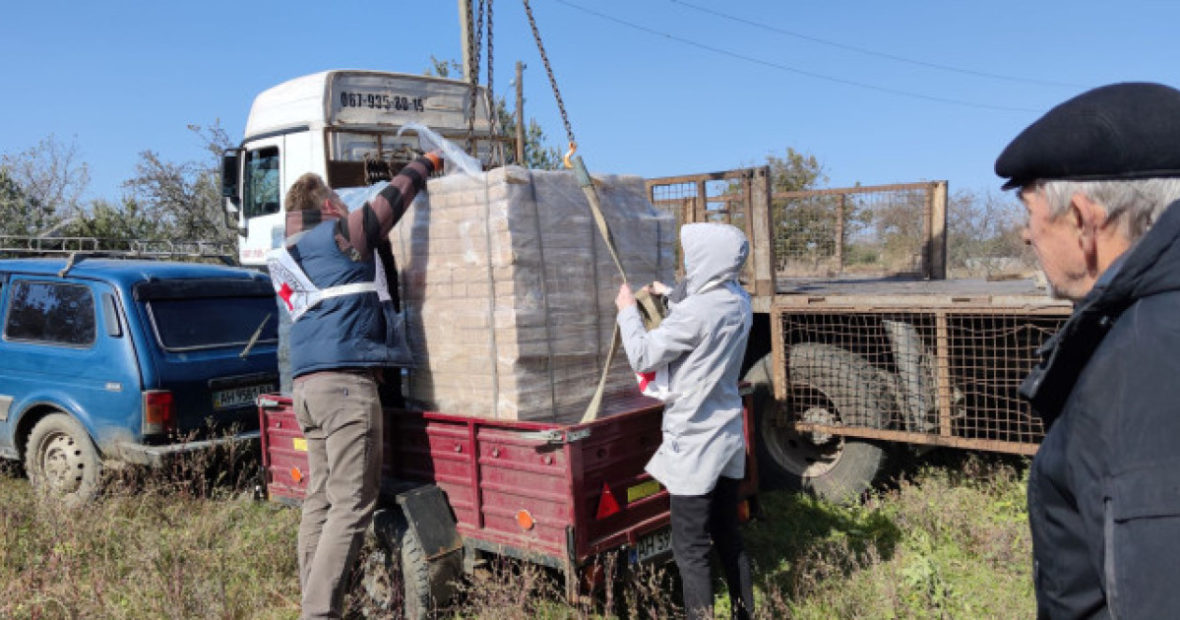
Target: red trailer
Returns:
[[558, 495]]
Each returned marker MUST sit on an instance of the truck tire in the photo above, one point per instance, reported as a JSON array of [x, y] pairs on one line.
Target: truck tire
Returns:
[[61, 460], [830, 385]]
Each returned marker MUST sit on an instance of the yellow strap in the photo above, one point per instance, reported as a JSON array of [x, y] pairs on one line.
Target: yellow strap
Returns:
[[650, 309], [648, 306]]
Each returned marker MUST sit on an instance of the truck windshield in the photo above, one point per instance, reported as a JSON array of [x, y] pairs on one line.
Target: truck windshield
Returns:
[[203, 323]]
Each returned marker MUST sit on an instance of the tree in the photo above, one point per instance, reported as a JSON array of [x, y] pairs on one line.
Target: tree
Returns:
[[105, 220], [184, 198], [41, 187], [442, 68], [983, 235], [893, 229], [804, 228], [795, 172], [536, 154], [15, 206]]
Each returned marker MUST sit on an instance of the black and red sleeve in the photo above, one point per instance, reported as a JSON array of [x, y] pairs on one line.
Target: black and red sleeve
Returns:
[[367, 226]]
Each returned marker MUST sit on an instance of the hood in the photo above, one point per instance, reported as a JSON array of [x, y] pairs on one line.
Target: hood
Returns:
[[712, 253]]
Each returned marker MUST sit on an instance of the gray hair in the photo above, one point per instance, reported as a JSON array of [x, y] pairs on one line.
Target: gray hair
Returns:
[[1136, 204]]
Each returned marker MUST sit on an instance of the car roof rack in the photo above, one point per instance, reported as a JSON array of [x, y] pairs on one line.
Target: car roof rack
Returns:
[[81, 248]]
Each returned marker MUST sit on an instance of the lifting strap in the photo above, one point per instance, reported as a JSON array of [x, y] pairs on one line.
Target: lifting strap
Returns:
[[575, 163], [583, 177]]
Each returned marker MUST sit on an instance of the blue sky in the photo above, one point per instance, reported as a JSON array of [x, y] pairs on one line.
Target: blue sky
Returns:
[[879, 92]]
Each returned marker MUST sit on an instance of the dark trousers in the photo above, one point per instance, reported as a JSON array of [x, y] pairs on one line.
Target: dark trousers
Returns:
[[697, 520]]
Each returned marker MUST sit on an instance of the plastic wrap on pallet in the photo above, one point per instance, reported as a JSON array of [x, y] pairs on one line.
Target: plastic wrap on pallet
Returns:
[[509, 289]]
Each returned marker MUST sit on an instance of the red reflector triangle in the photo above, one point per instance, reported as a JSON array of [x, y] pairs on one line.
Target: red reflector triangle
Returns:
[[607, 504]]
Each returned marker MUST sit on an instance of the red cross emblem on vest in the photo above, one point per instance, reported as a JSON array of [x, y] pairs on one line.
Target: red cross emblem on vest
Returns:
[[285, 294]]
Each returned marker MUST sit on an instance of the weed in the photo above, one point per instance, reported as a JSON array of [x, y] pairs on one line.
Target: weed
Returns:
[[948, 540]]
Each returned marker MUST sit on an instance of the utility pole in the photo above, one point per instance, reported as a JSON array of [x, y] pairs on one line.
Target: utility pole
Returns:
[[465, 36], [520, 113]]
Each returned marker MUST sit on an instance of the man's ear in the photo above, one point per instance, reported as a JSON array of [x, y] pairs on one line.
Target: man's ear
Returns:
[[1090, 219]]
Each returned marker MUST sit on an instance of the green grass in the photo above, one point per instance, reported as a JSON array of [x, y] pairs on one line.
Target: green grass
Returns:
[[947, 541]]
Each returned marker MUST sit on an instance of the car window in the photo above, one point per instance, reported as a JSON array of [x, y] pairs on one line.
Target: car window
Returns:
[[207, 322], [51, 312]]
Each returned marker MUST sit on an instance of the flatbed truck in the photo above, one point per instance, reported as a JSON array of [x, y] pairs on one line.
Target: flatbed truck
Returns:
[[861, 347]]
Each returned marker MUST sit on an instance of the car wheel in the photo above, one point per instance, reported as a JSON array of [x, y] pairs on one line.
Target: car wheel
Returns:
[[61, 460]]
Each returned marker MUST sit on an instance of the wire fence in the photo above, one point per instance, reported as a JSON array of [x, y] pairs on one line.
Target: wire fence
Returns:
[[882, 231], [722, 197], [939, 377], [869, 231]]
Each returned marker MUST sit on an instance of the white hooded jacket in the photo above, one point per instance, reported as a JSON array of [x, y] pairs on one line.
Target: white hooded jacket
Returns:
[[703, 341]]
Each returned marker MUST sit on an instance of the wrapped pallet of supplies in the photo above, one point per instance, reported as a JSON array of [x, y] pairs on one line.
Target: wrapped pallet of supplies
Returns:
[[509, 289]]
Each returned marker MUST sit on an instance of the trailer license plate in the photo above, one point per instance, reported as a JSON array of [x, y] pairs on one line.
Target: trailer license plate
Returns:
[[652, 545], [236, 397]]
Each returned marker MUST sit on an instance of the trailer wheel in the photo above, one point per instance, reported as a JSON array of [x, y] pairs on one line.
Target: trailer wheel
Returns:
[[61, 460], [398, 575], [828, 385], [416, 591]]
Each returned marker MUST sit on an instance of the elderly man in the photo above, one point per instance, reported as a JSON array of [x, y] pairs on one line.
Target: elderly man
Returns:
[[1100, 177]]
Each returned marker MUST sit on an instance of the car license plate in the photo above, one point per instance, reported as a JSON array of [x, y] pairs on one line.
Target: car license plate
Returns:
[[239, 396], [652, 545]]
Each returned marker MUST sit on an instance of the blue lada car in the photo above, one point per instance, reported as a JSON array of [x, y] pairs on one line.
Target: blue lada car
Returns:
[[128, 360]]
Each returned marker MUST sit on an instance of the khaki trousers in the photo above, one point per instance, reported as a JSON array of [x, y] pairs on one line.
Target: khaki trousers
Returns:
[[340, 415]]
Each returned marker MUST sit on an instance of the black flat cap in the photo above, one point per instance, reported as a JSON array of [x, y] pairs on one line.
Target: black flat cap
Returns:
[[1121, 131]]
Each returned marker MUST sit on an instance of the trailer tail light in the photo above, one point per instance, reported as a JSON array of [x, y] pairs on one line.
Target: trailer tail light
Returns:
[[159, 412], [607, 504], [525, 520]]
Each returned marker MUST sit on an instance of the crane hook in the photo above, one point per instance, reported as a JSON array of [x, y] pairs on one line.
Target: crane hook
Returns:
[[566, 158]]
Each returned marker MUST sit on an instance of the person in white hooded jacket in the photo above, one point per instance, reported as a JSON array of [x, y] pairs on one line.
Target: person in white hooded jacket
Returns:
[[701, 459]]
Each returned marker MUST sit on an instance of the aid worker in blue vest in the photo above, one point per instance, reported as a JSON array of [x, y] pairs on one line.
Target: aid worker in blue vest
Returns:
[[701, 459], [340, 345]]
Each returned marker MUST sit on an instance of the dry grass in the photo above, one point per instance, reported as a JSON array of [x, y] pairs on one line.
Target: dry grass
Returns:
[[145, 551], [947, 541]]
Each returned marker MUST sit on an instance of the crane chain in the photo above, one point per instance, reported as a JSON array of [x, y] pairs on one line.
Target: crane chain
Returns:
[[491, 112], [474, 43], [494, 126], [565, 119]]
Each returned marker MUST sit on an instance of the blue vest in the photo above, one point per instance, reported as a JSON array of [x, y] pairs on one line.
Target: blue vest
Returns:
[[352, 331]]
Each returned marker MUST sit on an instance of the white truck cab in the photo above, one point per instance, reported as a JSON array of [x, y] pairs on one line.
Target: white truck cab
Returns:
[[342, 125]]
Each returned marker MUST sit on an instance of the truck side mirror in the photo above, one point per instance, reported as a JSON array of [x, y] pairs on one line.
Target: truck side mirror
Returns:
[[231, 219], [231, 166]]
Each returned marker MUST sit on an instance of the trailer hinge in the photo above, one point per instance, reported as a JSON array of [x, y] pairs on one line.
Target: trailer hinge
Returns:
[[557, 436]]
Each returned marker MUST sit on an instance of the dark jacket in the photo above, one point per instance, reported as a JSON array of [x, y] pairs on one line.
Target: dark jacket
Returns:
[[358, 330], [1104, 490]]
